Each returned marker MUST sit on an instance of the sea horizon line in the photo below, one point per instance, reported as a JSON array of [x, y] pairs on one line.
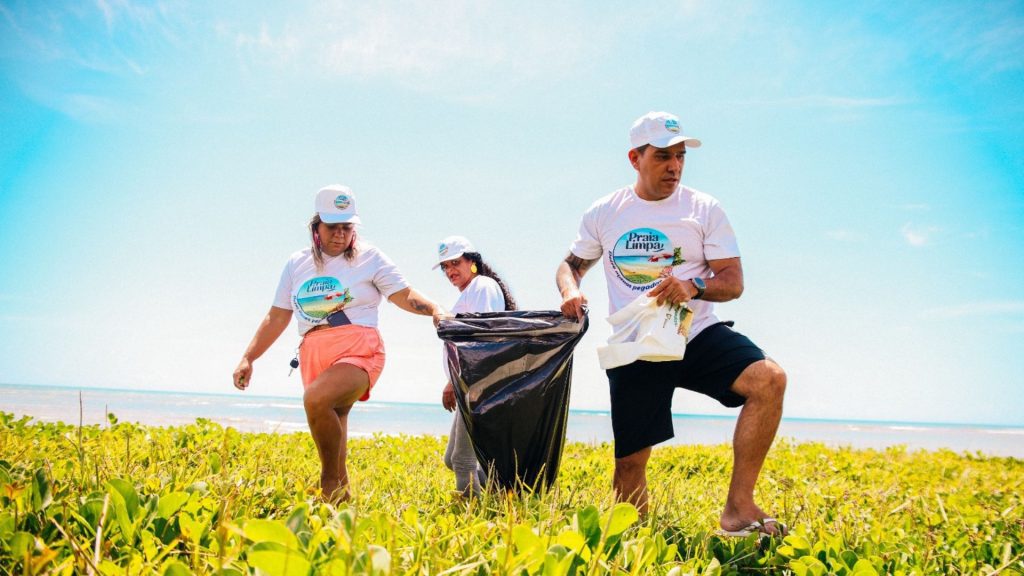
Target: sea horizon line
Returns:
[[585, 411]]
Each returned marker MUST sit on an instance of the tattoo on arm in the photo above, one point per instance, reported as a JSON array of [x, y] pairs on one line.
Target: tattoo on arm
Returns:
[[420, 304], [578, 265]]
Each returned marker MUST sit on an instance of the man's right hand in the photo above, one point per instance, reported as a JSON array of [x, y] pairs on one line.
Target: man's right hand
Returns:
[[242, 375], [573, 302], [568, 277]]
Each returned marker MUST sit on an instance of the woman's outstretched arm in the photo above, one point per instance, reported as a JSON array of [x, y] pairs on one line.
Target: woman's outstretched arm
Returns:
[[270, 329], [410, 300]]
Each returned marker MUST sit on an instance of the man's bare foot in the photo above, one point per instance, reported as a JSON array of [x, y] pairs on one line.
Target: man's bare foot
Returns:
[[333, 492], [750, 519]]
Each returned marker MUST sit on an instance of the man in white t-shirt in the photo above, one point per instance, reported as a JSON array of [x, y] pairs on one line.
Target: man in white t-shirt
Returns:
[[675, 244]]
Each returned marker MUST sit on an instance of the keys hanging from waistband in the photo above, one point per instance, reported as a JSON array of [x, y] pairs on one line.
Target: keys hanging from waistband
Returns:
[[294, 363]]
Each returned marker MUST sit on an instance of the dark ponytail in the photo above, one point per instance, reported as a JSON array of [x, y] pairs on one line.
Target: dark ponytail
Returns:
[[484, 270]]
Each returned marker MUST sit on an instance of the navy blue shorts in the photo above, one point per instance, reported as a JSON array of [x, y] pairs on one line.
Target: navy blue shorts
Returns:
[[641, 392]]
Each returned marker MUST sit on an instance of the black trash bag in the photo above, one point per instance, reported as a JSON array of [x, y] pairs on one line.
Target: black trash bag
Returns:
[[511, 372]]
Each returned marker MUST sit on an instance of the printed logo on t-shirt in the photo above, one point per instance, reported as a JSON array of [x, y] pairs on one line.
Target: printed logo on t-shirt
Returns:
[[342, 202], [644, 256], [317, 298]]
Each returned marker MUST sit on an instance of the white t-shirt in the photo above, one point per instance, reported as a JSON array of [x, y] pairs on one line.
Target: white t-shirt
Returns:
[[354, 286], [481, 295], [641, 241]]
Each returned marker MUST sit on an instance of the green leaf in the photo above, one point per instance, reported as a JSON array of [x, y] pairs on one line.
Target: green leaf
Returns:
[[191, 528], [42, 495], [336, 567], [270, 531], [22, 543], [273, 558], [809, 566], [849, 557], [175, 568], [214, 461], [524, 538], [170, 503], [571, 539], [622, 516], [297, 519], [560, 561], [799, 544], [127, 491], [6, 525], [863, 568], [122, 518], [787, 551], [589, 522], [575, 542]]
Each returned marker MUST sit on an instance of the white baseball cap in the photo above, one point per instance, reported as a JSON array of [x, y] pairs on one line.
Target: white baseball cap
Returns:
[[451, 248], [659, 129], [336, 204]]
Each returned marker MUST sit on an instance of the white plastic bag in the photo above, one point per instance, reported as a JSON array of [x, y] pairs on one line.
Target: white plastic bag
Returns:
[[642, 330]]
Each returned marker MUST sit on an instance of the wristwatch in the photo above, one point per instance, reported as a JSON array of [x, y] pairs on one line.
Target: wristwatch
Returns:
[[699, 284]]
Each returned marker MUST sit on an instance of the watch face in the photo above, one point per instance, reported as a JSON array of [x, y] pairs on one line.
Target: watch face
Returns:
[[699, 284]]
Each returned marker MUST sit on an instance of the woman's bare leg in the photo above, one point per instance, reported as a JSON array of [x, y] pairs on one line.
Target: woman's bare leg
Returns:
[[328, 400]]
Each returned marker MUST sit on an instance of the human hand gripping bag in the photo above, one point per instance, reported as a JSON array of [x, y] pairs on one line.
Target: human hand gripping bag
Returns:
[[511, 372], [643, 330]]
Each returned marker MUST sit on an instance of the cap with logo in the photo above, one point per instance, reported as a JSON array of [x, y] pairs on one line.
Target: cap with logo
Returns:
[[659, 129], [451, 248], [336, 205]]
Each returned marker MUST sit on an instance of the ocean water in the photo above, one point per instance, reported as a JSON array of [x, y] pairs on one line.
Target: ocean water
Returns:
[[251, 413]]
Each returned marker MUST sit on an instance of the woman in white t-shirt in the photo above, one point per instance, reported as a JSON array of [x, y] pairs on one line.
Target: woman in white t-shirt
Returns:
[[333, 289], [481, 291]]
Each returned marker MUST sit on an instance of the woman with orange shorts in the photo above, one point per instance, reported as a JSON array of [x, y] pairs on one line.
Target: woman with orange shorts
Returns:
[[333, 289]]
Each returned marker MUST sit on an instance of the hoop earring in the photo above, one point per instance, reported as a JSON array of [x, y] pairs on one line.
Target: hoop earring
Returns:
[[473, 268]]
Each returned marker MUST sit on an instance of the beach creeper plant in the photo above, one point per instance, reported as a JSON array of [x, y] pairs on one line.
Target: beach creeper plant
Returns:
[[203, 499]]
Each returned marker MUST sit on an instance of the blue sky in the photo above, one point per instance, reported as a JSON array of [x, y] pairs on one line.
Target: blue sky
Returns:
[[158, 161]]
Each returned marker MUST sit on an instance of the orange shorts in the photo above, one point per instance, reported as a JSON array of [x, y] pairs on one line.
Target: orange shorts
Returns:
[[359, 346]]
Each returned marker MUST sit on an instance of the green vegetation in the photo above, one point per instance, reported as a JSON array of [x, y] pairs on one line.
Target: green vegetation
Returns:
[[130, 499]]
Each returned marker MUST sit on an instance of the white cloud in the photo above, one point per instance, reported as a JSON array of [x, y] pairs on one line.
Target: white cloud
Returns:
[[983, 37], [280, 49], [918, 235], [108, 13], [430, 45], [132, 12], [985, 308]]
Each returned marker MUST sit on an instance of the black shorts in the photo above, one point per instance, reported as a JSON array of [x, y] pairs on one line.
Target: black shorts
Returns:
[[641, 392]]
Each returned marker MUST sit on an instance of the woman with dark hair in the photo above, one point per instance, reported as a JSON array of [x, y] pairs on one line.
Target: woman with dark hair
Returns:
[[481, 290], [333, 289]]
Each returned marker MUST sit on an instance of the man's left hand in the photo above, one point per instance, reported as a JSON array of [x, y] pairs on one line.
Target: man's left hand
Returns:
[[674, 291]]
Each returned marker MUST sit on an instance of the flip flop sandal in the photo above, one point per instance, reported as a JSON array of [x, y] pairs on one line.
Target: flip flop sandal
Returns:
[[756, 527]]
